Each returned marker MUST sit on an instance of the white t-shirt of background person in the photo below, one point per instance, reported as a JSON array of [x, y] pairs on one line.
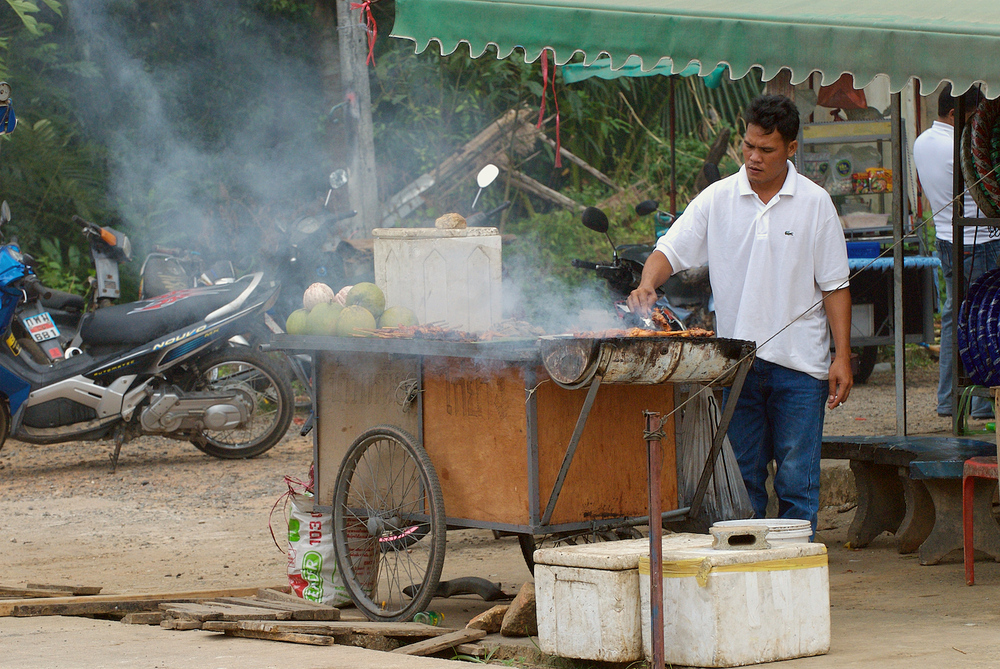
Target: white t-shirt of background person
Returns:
[[769, 264], [934, 158]]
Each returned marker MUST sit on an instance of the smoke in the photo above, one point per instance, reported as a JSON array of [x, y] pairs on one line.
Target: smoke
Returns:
[[213, 124], [532, 291]]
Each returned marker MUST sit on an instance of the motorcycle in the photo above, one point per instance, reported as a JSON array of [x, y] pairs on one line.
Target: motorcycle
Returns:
[[162, 365], [684, 299]]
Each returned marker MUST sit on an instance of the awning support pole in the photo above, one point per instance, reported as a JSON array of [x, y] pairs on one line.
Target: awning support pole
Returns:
[[898, 217]]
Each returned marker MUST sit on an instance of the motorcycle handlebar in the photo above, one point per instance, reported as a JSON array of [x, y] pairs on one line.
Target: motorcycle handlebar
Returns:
[[341, 216], [34, 288], [583, 264]]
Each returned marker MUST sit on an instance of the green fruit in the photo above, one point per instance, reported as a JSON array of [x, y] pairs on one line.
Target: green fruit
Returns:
[[395, 317], [353, 322], [369, 296], [322, 319], [296, 323]]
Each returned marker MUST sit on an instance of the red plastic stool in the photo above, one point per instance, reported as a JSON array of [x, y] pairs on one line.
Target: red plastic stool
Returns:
[[975, 468]]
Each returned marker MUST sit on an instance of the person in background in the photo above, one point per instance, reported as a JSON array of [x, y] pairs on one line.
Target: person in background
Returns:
[[776, 248], [934, 157]]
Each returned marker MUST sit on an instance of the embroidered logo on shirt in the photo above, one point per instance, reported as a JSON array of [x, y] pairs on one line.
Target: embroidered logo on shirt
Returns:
[[789, 233]]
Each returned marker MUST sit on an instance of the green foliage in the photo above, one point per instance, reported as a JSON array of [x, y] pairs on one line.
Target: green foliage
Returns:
[[67, 271]]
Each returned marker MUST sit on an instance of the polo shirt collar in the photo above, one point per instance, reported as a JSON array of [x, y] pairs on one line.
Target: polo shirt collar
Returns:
[[787, 188]]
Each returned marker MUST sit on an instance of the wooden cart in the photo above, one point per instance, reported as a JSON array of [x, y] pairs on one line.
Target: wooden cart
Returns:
[[414, 437]]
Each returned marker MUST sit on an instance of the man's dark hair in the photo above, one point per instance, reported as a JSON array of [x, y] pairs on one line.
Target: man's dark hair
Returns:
[[946, 102], [774, 112]]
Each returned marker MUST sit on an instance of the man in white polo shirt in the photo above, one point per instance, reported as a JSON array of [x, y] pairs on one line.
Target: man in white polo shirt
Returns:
[[778, 260], [934, 158]]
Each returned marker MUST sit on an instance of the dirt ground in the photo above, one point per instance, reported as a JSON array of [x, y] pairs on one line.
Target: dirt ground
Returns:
[[173, 519]]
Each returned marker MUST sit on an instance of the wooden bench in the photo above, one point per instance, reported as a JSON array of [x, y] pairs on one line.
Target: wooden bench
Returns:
[[912, 487]]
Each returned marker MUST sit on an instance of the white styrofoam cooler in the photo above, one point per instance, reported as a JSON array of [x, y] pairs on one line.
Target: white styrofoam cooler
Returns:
[[452, 276], [727, 608], [587, 597]]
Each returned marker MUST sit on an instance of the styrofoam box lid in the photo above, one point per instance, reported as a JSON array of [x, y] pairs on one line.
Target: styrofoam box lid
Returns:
[[719, 558], [433, 233], [616, 555]]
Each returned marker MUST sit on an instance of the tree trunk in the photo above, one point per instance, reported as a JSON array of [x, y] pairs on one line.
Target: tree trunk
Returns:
[[343, 46]]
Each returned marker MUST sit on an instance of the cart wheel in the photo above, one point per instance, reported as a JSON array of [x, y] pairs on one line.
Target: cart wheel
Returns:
[[389, 525], [530, 543]]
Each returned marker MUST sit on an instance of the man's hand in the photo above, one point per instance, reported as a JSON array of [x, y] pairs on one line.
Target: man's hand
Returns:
[[641, 300], [838, 311], [656, 270], [841, 381]]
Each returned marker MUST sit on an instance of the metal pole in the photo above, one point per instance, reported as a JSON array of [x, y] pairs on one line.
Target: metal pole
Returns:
[[957, 265], [673, 151], [654, 433], [898, 216]]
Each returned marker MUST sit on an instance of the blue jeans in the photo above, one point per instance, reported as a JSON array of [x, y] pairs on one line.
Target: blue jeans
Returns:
[[978, 258], [779, 416]]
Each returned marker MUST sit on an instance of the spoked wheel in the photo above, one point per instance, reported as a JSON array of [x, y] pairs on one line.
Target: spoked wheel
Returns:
[[264, 385], [388, 525], [530, 543]]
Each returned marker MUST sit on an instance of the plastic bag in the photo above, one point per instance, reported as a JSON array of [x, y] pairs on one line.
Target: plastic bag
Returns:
[[312, 565]]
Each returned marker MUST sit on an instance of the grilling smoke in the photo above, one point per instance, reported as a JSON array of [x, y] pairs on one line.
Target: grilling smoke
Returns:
[[192, 162]]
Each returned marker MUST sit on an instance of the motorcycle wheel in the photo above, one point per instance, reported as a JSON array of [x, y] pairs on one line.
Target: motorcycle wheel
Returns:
[[263, 378]]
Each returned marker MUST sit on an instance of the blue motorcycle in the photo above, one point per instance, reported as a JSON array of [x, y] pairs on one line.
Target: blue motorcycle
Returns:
[[162, 366]]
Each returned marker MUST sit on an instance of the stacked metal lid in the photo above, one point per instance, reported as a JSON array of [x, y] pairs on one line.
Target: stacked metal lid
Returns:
[[979, 330]]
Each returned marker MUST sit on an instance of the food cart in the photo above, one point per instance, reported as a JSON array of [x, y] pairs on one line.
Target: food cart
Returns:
[[532, 436]]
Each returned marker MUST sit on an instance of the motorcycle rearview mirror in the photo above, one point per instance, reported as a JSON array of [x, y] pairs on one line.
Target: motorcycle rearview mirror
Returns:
[[646, 207], [486, 176], [596, 220], [338, 179]]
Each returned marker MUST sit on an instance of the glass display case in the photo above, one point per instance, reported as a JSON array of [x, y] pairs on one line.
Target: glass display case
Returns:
[[851, 159]]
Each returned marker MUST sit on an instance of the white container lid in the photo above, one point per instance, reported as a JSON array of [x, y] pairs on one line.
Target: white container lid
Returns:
[[433, 233], [772, 524], [615, 555]]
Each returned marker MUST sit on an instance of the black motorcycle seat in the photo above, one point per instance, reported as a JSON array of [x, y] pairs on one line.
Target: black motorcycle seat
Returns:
[[144, 321]]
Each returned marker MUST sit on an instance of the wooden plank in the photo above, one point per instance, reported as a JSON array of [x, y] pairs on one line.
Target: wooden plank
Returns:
[[471, 649], [68, 589], [270, 594], [461, 396], [180, 624], [523, 182], [92, 604], [144, 618], [287, 637], [441, 642], [355, 392], [299, 610], [184, 611], [219, 611], [341, 628]]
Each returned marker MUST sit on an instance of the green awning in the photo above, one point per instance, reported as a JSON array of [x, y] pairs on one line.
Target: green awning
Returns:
[[930, 40], [602, 69]]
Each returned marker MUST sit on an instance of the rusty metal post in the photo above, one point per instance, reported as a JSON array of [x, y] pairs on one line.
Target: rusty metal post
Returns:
[[653, 435]]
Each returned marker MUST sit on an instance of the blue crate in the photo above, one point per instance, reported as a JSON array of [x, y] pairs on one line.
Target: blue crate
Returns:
[[863, 249]]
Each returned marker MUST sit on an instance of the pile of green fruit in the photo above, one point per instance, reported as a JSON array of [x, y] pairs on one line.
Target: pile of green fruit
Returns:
[[364, 311]]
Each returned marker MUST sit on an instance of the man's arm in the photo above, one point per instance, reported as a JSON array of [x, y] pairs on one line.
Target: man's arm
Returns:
[[838, 312], [656, 270]]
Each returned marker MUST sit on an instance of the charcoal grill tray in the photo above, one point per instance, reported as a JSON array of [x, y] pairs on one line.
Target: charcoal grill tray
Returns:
[[574, 361]]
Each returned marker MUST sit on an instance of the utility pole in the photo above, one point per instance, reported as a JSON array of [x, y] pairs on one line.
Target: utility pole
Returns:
[[352, 39]]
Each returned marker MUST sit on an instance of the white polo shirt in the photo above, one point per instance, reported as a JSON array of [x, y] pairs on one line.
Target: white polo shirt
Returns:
[[934, 158], [770, 263]]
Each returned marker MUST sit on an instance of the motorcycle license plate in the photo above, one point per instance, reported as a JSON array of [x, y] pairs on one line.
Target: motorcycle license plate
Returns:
[[41, 327]]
